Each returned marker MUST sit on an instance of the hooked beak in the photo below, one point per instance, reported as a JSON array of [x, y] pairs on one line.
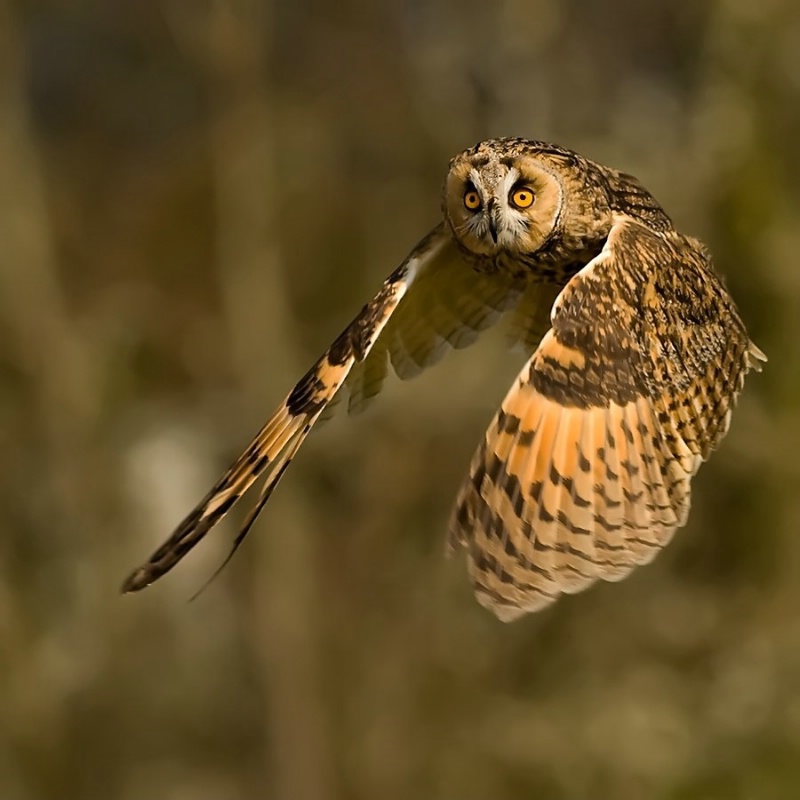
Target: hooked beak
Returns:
[[493, 214]]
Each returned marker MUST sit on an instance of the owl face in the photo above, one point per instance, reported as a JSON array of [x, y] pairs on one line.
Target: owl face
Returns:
[[500, 203]]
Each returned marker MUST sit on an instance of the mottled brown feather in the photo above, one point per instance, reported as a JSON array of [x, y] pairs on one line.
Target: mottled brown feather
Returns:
[[585, 471]]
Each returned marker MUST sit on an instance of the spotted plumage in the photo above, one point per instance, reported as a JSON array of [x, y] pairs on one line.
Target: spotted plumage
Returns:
[[637, 356]]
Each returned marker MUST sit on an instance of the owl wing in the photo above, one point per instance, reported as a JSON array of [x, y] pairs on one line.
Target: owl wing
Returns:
[[432, 302], [585, 470], [450, 305]]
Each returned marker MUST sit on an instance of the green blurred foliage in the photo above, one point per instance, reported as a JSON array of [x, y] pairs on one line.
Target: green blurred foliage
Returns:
[[194, 198]]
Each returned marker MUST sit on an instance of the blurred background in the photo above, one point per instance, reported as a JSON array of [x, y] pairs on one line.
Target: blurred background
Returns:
[[194, 199]]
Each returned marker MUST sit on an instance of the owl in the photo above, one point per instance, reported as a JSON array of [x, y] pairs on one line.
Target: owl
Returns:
[[637, 354]]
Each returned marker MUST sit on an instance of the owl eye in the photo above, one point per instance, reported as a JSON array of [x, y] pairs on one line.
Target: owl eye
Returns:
[[472, 200], [522, 197]]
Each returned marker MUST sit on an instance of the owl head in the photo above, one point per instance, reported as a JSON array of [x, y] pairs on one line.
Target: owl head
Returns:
[[503, 196]]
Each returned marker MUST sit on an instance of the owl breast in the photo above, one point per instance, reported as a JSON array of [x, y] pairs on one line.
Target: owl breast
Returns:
[[555, 262]]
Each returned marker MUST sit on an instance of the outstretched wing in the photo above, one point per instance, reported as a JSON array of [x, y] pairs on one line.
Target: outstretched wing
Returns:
[[433, 301], [585, 471]]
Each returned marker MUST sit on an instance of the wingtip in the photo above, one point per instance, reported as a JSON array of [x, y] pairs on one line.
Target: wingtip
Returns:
[[136, 581], [756, 357]]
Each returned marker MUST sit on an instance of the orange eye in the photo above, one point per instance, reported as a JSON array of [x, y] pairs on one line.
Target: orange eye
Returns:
[[472, 200], [522, 197]]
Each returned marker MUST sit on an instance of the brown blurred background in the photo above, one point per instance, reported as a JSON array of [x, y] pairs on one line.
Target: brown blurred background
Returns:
[[194, 199]]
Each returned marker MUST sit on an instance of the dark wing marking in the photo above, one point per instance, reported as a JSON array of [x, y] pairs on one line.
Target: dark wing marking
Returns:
[[449, 305], [585, 471]]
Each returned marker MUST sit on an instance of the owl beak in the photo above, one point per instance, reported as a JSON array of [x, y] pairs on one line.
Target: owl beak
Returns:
[[494, 214]]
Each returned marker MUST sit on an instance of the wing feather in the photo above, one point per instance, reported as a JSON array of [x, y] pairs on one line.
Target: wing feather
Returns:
[[585, 471], [452, 306], [273, 448], [433, 302]]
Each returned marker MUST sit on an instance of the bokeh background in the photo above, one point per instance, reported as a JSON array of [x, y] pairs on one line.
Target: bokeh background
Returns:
[[194, 199]]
